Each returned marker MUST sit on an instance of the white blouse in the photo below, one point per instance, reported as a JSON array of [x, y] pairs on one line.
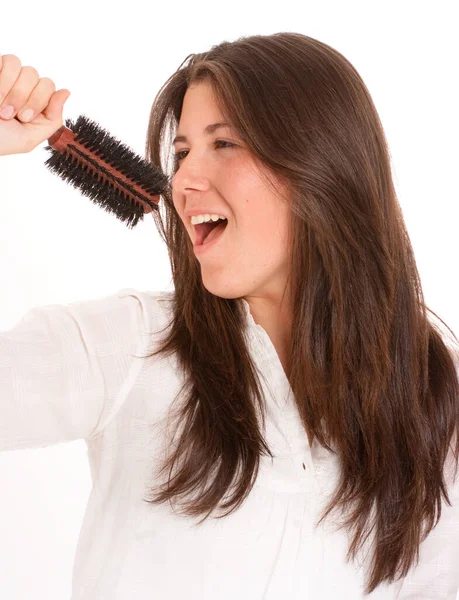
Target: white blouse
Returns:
[[72, 372]]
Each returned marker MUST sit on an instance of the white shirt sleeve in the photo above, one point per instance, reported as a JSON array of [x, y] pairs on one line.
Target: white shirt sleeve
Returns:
[[62, 366]]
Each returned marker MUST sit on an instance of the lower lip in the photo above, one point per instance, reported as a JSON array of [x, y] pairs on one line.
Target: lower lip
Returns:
[[203, 248]]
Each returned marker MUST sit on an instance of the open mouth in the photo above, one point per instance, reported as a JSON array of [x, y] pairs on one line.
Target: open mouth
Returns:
[[206, 232]]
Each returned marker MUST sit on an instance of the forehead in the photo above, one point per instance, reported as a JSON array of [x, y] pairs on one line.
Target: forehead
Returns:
[[200, 90], [200, 103], [200, 113]]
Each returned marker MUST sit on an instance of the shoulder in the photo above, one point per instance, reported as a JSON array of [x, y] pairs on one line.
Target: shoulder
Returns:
[[153, 308]]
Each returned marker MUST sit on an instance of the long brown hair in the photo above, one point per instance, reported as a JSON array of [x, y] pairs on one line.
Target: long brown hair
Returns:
[[370, 373]]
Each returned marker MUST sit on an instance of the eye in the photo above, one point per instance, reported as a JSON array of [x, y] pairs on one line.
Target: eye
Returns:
[[219, 143]]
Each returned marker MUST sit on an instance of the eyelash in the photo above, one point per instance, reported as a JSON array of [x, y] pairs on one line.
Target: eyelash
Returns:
[[177, 158]]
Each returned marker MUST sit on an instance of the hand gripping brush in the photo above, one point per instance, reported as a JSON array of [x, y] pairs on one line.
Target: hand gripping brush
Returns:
[[105, 170]]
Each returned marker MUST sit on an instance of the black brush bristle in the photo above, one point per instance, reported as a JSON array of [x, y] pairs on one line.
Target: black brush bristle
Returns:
[[101, 186]]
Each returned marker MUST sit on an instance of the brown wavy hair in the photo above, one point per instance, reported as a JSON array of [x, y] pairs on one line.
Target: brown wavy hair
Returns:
[[370, 373]]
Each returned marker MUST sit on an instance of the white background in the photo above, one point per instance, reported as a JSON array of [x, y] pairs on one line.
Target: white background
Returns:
[[56, 246]]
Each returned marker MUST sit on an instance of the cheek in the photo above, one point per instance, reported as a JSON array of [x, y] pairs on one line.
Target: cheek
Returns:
[[176, 204], [267, 238], [270, 222], [179, 210]]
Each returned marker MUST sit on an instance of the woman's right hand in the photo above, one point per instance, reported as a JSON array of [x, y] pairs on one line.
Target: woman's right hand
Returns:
[[23, 89]]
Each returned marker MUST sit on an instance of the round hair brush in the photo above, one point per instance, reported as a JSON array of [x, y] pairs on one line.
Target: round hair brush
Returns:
[[105, 170]]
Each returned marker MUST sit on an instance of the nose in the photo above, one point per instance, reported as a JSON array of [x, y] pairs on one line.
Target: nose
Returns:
[[192, 174]]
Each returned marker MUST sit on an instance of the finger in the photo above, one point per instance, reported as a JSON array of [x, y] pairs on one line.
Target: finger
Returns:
[[19, 94], [38, 99], [9, 72], [53, 111]]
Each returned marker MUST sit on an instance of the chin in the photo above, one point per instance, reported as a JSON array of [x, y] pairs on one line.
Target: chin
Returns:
[[225, 290]]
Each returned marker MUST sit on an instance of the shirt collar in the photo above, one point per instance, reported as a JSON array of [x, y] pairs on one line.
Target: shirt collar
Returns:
[[250, 322]]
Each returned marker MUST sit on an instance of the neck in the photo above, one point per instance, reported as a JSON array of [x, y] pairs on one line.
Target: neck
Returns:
[[276, 320]]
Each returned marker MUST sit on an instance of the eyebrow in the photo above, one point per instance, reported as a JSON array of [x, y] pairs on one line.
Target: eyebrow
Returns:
[[208, 131]]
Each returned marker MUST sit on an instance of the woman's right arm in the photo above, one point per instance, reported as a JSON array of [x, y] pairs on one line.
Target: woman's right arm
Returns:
[[62, 368]]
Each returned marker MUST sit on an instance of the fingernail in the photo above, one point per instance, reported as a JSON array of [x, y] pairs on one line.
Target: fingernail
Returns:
[[7, 111], [26, 115]]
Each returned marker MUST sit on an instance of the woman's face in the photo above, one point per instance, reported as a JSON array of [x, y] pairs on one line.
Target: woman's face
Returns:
[[250, 258]]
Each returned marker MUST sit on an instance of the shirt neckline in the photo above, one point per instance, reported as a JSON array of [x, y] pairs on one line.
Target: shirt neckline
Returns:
[[265, 341]]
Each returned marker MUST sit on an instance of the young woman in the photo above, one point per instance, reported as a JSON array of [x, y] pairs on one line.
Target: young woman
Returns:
[[294, 434]]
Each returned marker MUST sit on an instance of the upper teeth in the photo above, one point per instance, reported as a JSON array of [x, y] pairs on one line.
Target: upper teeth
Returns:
[[204, 218]]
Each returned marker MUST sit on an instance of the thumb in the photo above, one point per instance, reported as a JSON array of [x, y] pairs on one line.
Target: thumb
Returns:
[[55, 107]]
